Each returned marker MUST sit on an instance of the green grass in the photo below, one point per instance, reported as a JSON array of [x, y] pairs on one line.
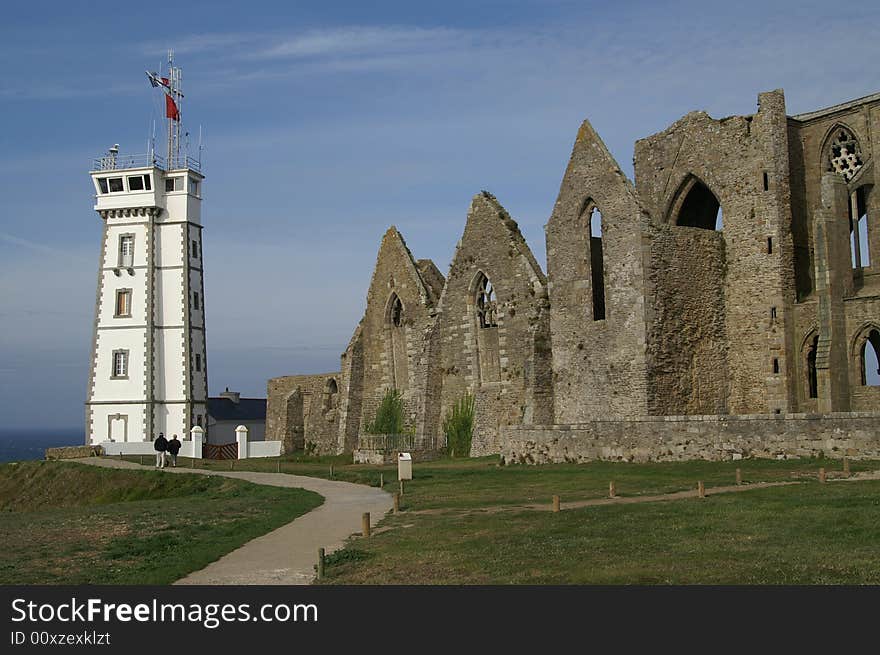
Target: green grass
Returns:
[[801, 534], [67, 523], [482, 482]]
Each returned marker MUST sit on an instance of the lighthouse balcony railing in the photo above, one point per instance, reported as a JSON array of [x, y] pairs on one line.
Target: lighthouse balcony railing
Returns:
[[118, 162]]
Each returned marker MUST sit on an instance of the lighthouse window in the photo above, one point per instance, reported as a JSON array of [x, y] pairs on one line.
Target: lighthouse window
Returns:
[[198, 363], [102, 184], [195, 249], [120, 364], [139, 183], [126, 250], [195, 299], [115, 184], [193, 186], [173, 184], [123, 303]]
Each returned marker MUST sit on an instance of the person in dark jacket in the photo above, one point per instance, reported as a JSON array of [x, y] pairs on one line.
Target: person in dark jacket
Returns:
[[173, 449], [161, 446]]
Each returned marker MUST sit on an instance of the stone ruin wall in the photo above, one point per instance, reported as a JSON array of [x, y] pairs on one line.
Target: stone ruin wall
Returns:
[[704, 327], [730, 157], [681, 438], [391, 347], [687, 344], [302, 413], [506, 367], [598, 363]]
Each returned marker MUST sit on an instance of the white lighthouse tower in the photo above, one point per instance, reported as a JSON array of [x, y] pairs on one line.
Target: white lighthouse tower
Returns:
[[149, 364]]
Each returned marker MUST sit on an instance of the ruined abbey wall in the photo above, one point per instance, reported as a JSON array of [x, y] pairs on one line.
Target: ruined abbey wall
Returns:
[[303, 413], [500, 352], [729, 296], [597, 313]]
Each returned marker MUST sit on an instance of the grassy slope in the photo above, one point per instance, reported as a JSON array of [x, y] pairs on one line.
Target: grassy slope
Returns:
[[480, 482], [63, 523], [803, 534]]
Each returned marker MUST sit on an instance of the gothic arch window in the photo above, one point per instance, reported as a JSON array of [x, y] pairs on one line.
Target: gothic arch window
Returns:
[[597, 262], [696, 206], [395, 333], [395, 311], [858, 228], [868, 344], [486, 303], [811, 347], [488, 355], [331, 395], [842, 153]]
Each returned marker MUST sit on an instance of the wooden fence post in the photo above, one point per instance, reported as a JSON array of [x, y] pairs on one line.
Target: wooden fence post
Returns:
[[381, 480], [365, 524], [822, 475], [555, 503], [739, 476], [846, 466], [396, 503], [701, 489], [320, 563], [611, 490]]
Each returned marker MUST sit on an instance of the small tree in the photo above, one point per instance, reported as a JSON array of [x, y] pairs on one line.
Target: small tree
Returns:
[[458, 425], [389, 415]]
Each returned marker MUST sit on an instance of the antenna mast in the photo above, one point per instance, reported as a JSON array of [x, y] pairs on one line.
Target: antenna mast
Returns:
[[174, 80]]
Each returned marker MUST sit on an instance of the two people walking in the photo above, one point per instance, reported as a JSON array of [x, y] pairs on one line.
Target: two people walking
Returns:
[[166, 448]]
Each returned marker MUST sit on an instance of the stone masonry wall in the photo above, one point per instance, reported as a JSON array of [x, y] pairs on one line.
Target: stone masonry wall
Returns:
[[392, 346], [679, 438], [303, 413], [687, 340], [731, 156], [498, 365], [599, 365]]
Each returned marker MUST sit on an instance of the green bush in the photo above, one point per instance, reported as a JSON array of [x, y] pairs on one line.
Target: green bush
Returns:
[[389, 415], [458, 425]]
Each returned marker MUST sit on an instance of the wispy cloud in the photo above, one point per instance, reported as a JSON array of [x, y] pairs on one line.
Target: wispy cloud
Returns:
[[359, 41], [33, 245]]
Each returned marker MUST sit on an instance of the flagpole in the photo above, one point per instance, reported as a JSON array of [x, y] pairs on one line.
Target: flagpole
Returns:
[[169, 161]]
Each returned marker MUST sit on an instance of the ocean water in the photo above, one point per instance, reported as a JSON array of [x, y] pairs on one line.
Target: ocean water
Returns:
[[18, 445]]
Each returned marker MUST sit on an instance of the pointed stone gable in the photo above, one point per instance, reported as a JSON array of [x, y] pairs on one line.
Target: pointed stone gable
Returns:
[[595, 270], [493, 355], [390, 349]]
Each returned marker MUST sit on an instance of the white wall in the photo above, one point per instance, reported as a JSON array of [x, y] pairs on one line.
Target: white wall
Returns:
[[264, 448], [98, 427]]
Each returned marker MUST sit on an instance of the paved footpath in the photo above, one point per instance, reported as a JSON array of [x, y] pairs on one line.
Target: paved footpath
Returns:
[[288, 554]]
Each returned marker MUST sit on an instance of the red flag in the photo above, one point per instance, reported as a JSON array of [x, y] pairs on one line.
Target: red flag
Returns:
[[171, 110]]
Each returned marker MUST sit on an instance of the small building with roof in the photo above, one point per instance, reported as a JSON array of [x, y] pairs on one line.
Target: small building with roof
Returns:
[[229, 410]]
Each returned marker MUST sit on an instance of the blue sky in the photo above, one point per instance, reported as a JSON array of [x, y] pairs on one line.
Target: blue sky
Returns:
[[326, 122]]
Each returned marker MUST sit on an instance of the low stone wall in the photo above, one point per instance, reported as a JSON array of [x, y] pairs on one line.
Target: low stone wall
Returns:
[[679, 438], [74, 452], [382, 457]]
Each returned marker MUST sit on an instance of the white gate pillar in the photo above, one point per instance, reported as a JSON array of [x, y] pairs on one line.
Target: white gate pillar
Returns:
[[198, 438], [241, 433]]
